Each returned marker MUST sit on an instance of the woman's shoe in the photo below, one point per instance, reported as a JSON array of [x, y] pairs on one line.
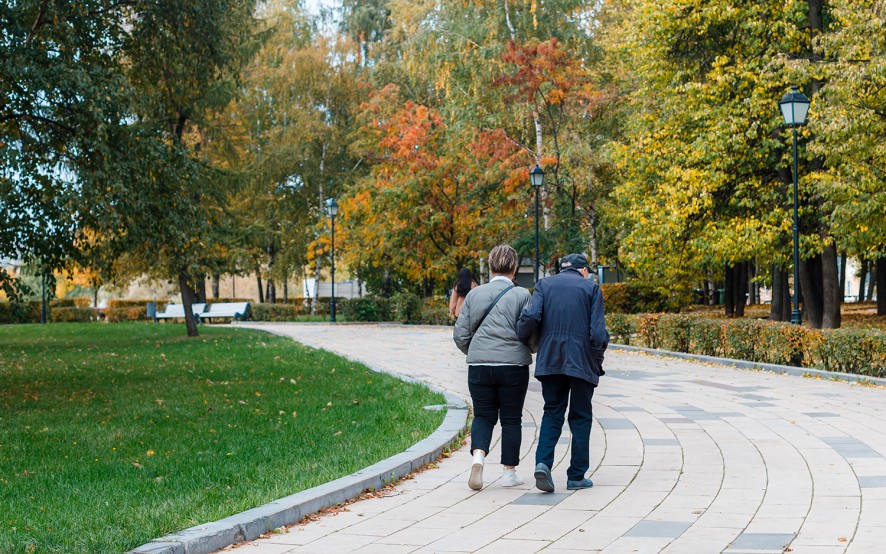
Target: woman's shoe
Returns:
[[475, 481], [510, 478]]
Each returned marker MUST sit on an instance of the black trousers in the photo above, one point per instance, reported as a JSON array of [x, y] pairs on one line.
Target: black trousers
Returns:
[[560, 391], [498, 393]]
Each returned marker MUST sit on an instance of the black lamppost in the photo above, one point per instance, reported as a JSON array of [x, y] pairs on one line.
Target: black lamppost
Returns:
[[332, 211], [794, 107], [537, 178]]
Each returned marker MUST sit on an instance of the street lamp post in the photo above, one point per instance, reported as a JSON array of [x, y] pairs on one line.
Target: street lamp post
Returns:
[[537, 178], [794, 107], [332, 210]]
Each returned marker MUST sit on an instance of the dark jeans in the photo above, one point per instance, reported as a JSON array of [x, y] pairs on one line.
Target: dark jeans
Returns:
[[498, 393], [558, 391]]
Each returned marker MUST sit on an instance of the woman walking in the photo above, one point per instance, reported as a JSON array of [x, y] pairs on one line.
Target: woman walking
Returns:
[[463, 285], [498, 364]]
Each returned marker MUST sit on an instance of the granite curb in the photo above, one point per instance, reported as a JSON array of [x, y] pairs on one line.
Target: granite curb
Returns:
[[743, 364], [248, 525]]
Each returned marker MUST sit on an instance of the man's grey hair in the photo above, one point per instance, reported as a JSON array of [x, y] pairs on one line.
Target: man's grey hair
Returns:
[[503, 259]]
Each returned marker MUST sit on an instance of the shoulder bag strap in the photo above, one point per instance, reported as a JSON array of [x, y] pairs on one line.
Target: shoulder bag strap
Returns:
[[494, 302]]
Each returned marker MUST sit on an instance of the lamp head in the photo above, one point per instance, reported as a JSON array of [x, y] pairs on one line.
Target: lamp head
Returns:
[[794, 108], [537, 176]]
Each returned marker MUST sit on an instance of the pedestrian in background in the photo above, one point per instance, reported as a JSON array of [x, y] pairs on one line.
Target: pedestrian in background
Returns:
[[498, 364], [567, 314], [463, 285]]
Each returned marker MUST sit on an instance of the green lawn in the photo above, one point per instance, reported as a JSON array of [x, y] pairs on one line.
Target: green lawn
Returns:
[[114, 434]]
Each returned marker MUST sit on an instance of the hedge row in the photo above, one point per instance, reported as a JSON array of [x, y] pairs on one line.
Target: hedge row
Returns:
[[404, 308], [858, 351]]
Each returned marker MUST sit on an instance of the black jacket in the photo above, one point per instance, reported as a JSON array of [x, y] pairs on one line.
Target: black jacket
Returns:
[[567, 313]]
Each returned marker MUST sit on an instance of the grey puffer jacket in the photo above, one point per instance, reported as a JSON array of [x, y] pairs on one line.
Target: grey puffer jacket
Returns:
[[495, 342]]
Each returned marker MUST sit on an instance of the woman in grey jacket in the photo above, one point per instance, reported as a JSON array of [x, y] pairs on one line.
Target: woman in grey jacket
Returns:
[[498, 364]]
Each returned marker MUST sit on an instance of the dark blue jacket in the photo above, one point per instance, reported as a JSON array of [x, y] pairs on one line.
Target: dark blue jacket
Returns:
[[567, 313]]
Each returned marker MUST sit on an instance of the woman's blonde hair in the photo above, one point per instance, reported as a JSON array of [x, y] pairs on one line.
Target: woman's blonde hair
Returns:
[[503, 259]]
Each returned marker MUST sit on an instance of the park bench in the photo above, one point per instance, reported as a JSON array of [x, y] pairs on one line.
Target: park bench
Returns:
[[177, 311], [236, 310]]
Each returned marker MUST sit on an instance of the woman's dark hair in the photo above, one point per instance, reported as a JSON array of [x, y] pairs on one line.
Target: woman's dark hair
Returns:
[[464, 281]]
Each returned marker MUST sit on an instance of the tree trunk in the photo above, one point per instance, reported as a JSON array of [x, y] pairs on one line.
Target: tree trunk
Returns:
[[728, 292], [286, 291], [780, 310], [740, 288], [811, 289], [200, 289], [881, 286], [386, 283], [830, 288], [592, 219], [188, 298], [863, 274], [875, 274], [95, 295], [261, 292], [270, 291], [842, 277], [216, 279]]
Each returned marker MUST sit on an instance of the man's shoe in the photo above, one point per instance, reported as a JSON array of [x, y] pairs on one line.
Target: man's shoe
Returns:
[[543, 479], [578, 485], [510, 478]]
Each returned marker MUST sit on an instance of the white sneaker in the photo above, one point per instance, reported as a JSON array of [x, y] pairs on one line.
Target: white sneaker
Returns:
[[476, 479], [510, 478]]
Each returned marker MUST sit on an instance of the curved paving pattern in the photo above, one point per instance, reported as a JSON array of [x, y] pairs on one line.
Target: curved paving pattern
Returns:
[[686, 457]]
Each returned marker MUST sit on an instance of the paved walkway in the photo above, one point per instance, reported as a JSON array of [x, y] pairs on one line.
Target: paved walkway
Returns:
[[686, 457]]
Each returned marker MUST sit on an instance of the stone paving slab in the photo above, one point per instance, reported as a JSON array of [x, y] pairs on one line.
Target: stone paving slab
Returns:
[[687, 456]]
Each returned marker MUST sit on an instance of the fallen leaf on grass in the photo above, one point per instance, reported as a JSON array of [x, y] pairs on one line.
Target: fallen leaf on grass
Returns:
[[138, 465]]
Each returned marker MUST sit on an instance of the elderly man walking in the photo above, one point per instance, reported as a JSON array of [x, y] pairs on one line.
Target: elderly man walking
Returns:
[[567, 313]]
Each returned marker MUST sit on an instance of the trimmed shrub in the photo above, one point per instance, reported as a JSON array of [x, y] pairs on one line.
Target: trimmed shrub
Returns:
[[787, 344], [674, 332], [408, 307], [371, 308], [858, 351], [706, 336], [647, 330], [78, 302], [122, 303], [132, 313], [434, 311], [74, 314], [274, 312], [621, 327], [14, 312]]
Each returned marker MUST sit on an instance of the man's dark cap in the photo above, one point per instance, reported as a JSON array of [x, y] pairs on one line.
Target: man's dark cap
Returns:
[[575, 261]]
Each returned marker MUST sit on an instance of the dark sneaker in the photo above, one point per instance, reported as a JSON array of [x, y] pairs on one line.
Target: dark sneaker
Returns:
[[578, 485], [543, 479]]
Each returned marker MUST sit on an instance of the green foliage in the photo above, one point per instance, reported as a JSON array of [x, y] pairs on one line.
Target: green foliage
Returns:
[[706, 336], [115, 303], [859, 351], [15, 312], [114, 435], [636, 297], [407, 307], [434, 311], [674, 332], [132, 313], [275, 312], [370, 308], [621, 327], [74, 315]]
